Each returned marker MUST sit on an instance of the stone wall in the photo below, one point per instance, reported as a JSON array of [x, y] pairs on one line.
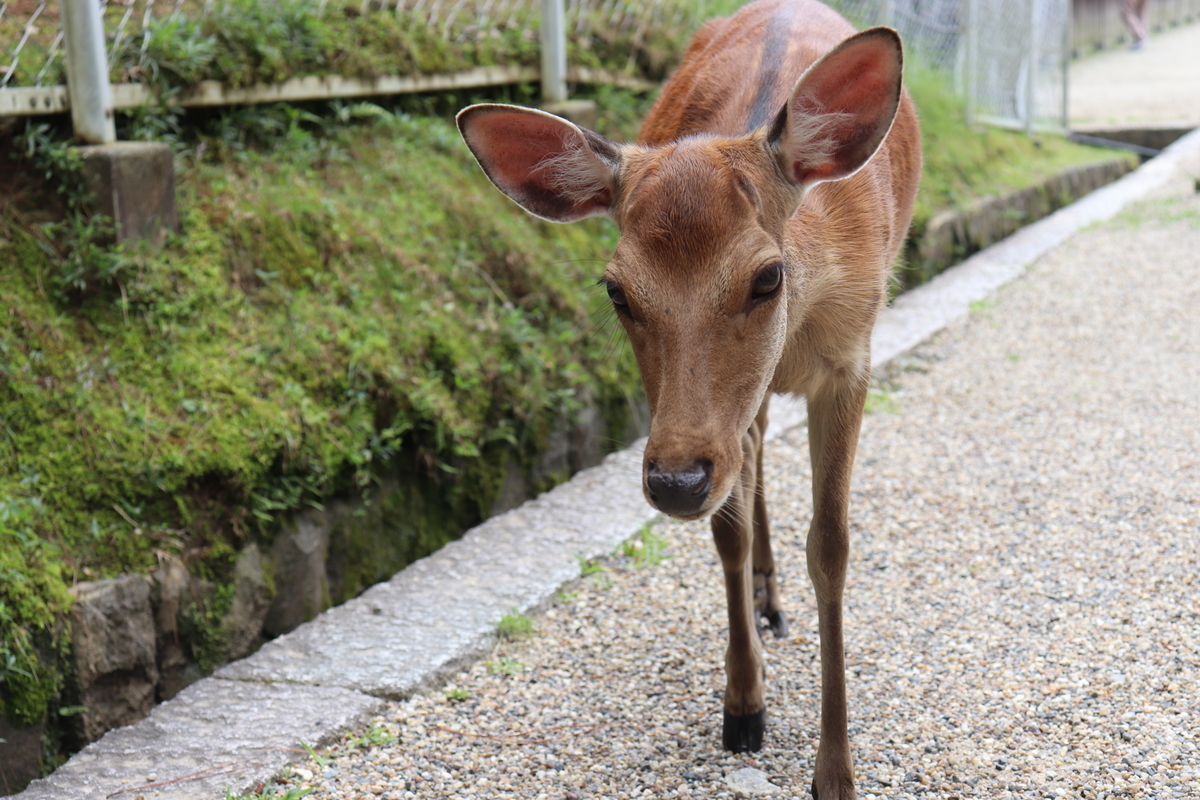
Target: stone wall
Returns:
[[951, 236], [137, 640]]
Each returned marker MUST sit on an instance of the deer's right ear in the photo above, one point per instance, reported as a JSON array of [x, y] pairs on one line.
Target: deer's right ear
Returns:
[[547, 165]]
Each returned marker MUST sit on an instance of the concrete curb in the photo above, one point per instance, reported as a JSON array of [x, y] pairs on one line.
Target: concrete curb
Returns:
[[242, 725]]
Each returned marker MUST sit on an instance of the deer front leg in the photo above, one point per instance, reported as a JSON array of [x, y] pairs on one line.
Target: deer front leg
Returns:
[[834, 419], [733, 531], [768, 604]]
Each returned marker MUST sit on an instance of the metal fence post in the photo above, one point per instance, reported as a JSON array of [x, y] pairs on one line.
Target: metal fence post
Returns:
[[87, 72], [554, 52], [972, 61], [1033, 48]]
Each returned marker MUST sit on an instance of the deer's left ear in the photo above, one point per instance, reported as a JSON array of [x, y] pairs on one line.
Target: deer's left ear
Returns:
[[549, 166], [841, 109]]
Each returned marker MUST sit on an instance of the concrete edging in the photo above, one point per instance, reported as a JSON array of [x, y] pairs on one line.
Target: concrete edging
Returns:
[[240, 726]]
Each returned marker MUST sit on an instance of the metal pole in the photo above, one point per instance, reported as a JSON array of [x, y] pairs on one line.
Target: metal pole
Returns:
[[1035, 60], [87, 72], [1068, 37], [554, 52], [972, 62]]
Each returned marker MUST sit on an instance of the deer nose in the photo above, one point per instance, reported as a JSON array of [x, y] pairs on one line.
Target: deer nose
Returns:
[[679, 493]]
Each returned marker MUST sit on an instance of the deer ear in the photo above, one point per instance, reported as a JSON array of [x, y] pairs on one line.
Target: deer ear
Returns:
[[547, 165], [841, 109]]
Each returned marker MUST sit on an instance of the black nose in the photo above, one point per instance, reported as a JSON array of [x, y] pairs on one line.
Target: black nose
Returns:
[[679, 493]]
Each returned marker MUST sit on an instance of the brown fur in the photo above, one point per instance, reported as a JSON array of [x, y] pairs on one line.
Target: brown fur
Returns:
[[736, 171], [703, 378]]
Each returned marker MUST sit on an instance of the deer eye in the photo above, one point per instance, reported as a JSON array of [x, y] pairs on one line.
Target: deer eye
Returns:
[[617, 295], [768, 282]]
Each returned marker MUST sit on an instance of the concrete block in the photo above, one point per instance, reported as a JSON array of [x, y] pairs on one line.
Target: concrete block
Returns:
[[20, 755], [214, 736], [299, 554], [133, 183], [410, 634], [113, 641]]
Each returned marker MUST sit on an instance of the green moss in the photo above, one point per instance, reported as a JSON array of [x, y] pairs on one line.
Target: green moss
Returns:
[[202, 626], [353, 308], [33, 598]]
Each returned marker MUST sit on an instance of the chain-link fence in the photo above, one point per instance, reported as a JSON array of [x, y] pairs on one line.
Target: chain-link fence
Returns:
[[31, 38], [28, 55], [1009, 58]]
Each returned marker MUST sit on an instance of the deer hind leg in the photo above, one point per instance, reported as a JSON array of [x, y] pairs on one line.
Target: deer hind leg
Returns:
[[834, 419], [767, 602], [733, 531]]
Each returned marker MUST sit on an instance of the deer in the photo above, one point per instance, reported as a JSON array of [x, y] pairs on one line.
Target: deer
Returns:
[[761, 211]]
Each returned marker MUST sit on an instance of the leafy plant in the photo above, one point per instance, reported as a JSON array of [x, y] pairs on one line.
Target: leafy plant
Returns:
[[33, 597], [270, 792], [645, 549], [457, 695], [881, 401], [318, 757], [588, 566], [374, 736], [515, 627], [78, 250], [505, 665]]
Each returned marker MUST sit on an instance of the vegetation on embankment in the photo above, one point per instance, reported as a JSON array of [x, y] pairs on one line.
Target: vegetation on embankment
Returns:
[[244, 42], [343, 298]]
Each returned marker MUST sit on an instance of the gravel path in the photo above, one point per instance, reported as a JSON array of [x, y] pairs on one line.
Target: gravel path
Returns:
[[1023, 609]]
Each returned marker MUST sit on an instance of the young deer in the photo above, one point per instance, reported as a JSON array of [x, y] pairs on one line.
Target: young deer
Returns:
[[760, 214]]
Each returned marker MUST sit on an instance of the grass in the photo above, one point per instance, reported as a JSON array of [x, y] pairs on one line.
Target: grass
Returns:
[[645, 549], [881, 401], [457, 695], [505, 665], [179, 403], [270, 792], [375, 736], [588, 566], [515, 627], [242, 42]]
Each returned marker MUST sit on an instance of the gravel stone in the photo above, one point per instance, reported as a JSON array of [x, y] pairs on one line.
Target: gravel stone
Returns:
[[1023, 601]]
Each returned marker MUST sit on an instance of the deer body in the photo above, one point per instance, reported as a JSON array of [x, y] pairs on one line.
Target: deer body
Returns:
[[760, 213]]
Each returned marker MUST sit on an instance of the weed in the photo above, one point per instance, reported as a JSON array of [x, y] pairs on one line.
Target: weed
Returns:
[[457, 695], [515, 627], [881, 401], [645, 549], [374, 736], [269, 792], [505, 665], [319, 758], [588, 566]]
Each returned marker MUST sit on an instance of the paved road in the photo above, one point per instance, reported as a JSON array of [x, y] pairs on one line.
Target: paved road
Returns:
[[1158, 85]]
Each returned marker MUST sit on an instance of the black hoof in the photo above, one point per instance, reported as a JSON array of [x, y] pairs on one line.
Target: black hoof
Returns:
[[813, 789], [744, 734], [776, 621]]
